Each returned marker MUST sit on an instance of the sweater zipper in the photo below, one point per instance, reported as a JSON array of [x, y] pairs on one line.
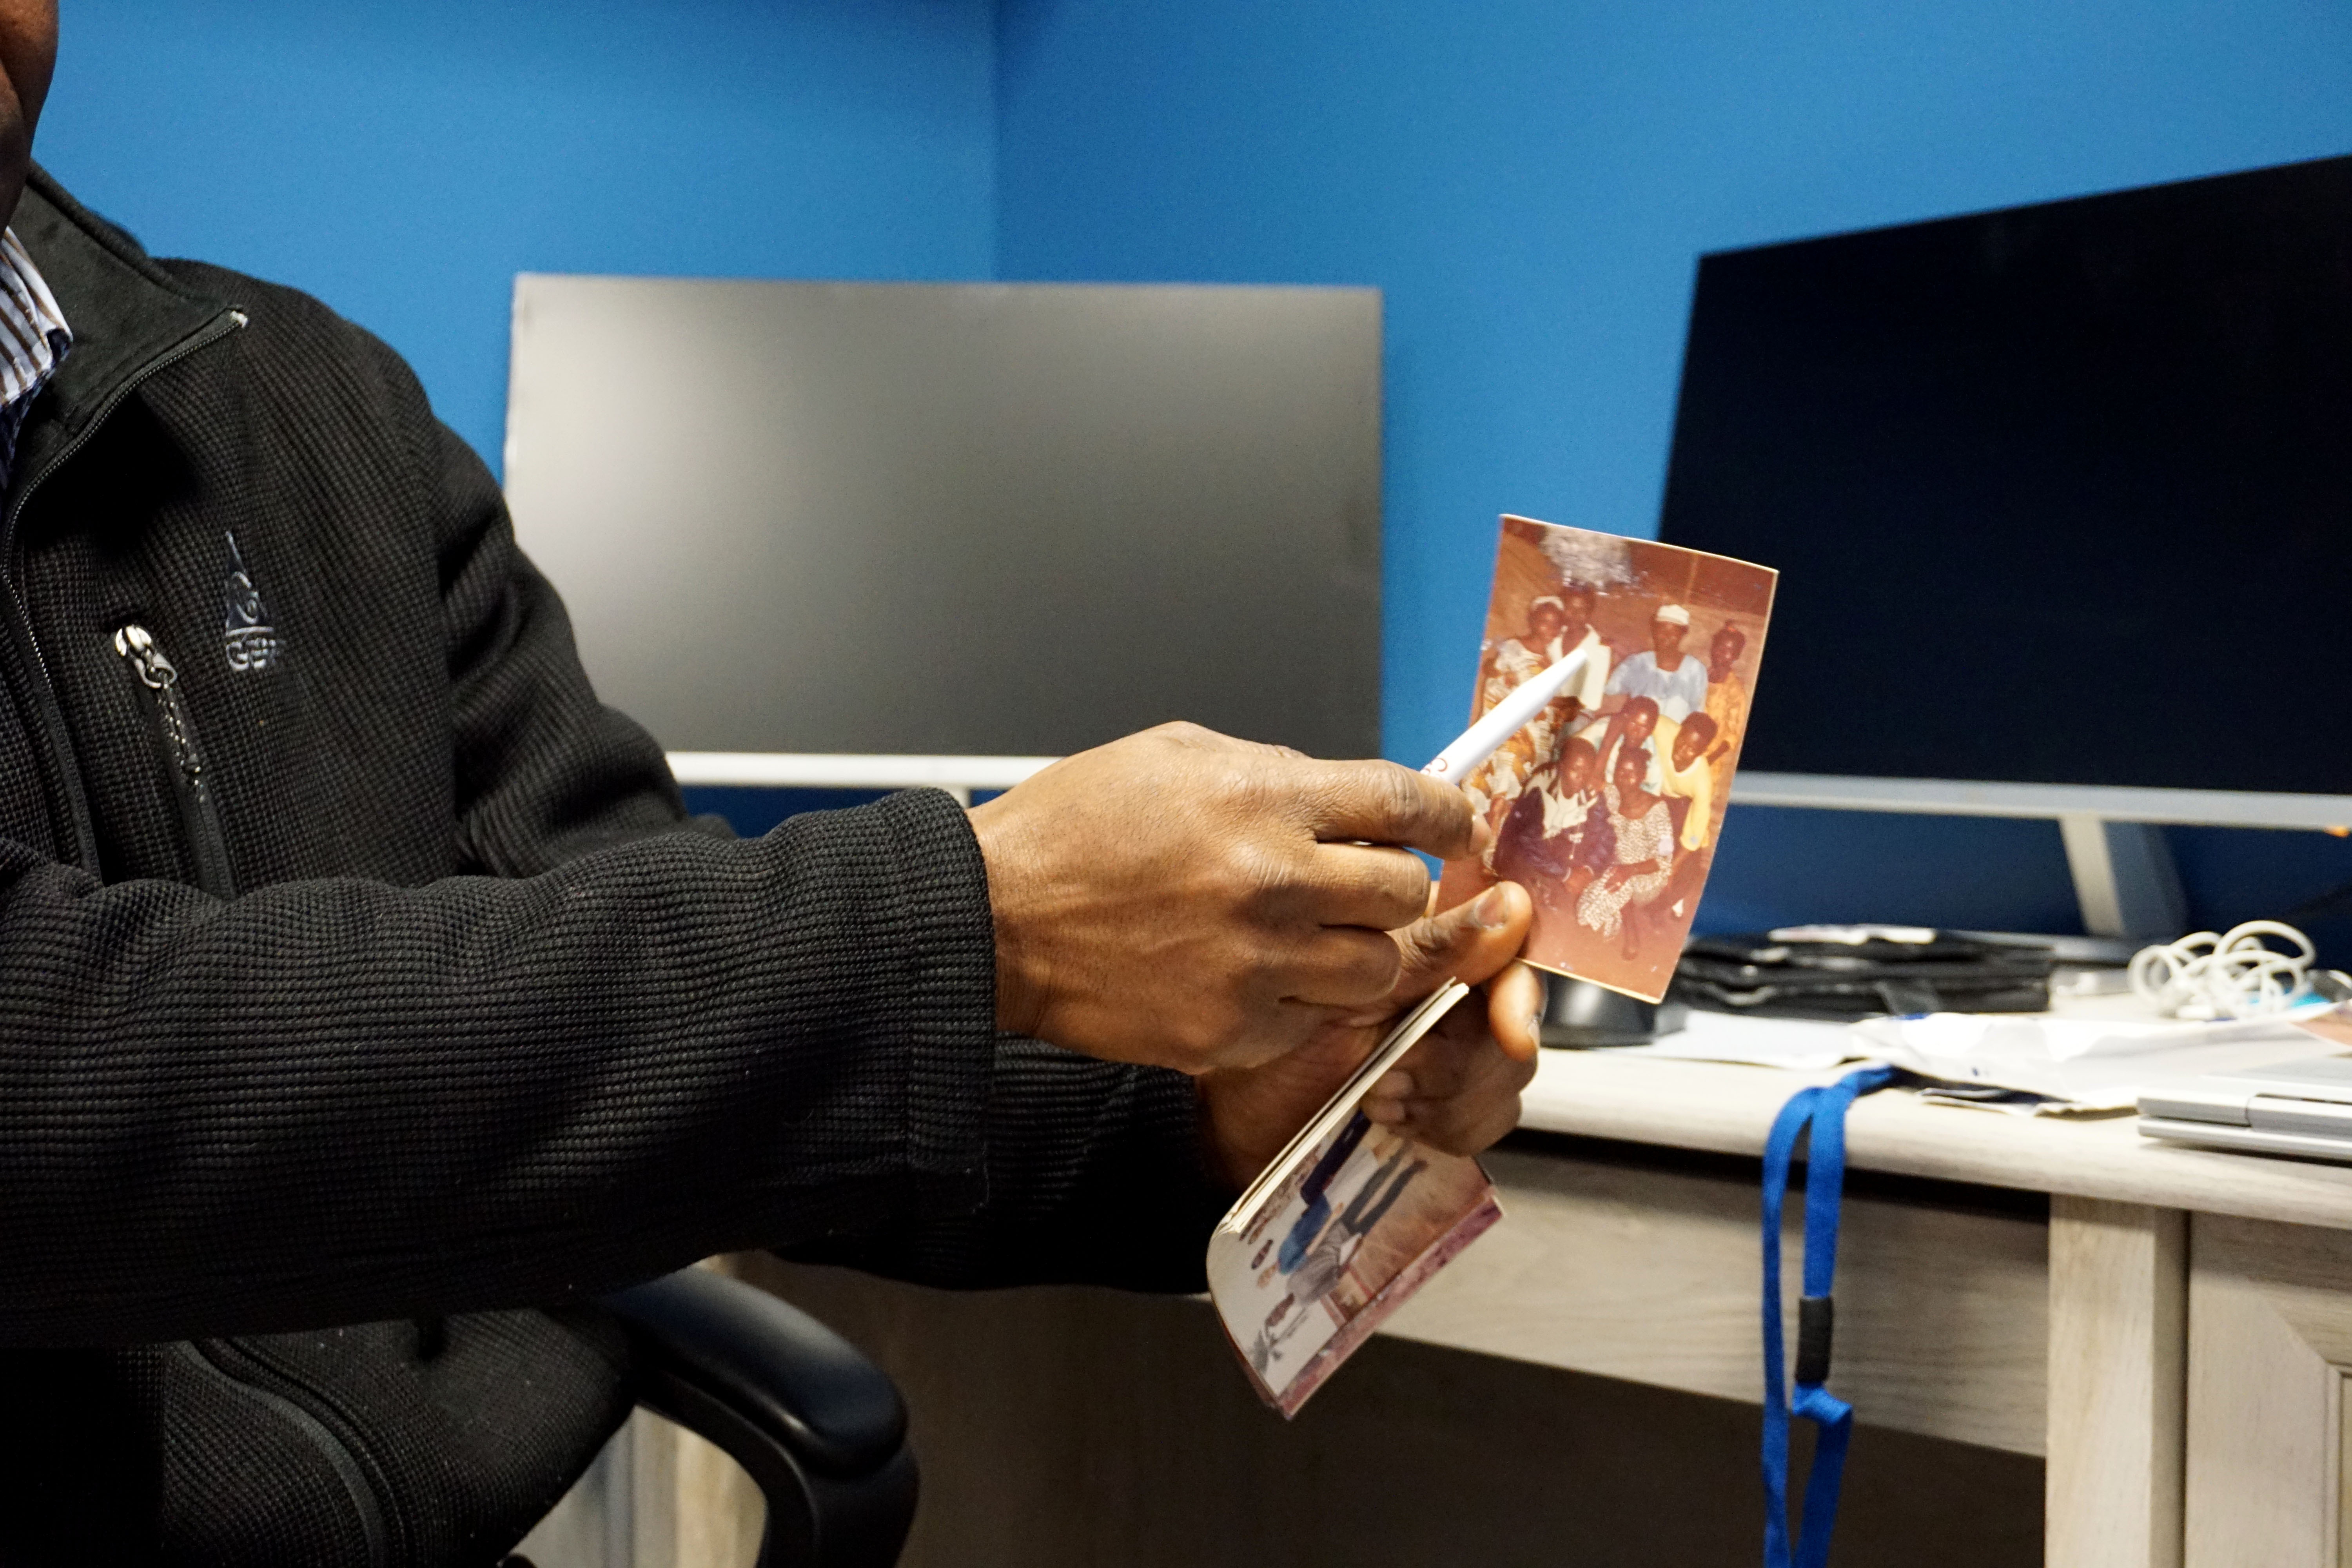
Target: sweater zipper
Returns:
[[52, 715], [319, 1421], [183, 758]]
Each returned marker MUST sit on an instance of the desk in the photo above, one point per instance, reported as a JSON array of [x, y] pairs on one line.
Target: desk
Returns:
[[2175, 1343], [2169, 1330]]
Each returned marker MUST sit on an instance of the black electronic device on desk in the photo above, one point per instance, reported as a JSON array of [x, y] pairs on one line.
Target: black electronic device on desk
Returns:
[[1581, 1016], [1844, 973]]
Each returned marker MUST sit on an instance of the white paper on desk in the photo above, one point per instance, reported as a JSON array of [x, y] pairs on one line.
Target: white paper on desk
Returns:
[[1796, 1045], [2088, 1064]]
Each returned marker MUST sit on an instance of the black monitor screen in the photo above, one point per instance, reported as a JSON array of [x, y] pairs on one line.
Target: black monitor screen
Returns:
[[2061, 494]]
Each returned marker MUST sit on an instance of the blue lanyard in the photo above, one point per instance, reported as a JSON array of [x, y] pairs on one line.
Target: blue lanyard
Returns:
[[1823, 1109]]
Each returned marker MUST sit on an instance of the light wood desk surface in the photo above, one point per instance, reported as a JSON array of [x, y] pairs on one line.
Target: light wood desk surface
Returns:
[[1728, 1108]]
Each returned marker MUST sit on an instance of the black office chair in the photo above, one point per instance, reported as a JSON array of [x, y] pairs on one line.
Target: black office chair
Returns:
[[821, 1428]]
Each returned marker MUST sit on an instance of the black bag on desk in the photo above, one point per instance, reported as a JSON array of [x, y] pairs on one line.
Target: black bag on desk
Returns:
[[1846, 980]]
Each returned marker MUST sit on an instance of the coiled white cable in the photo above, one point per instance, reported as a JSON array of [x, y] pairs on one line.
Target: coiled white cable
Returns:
[[2236, 975]]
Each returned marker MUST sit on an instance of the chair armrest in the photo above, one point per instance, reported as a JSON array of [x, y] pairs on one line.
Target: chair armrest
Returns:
[[821, 1428], [806, 1387]]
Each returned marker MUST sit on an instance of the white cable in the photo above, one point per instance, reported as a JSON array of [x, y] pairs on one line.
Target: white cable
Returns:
[[2236, 975]]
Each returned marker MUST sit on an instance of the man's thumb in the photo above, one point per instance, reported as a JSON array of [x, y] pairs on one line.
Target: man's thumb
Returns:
[[1470, 942]]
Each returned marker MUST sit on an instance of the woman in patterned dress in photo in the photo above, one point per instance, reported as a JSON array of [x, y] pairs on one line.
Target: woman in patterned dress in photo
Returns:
[[1645, 851]]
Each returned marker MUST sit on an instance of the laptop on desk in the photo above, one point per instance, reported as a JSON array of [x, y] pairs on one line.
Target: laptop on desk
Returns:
[[2301, 1107]]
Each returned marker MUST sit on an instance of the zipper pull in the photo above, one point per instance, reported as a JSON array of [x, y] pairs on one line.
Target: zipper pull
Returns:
[[175, 729], [145, 656], [135, 643]]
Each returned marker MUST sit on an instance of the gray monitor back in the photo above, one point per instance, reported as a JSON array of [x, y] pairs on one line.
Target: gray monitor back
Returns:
[[989, 520]]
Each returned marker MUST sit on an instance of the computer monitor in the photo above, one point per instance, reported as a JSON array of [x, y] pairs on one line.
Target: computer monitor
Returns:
[[2061, 498], [957, 520]]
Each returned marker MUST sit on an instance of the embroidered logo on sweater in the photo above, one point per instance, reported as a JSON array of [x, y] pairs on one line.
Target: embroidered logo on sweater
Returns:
[[250, 641]]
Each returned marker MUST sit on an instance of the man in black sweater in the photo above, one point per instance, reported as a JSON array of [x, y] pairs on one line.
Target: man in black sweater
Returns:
[[362, 970]]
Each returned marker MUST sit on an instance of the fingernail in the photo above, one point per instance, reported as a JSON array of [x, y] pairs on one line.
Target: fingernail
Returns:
[[1493, 909], [1387, 1112], [1395, 1085]]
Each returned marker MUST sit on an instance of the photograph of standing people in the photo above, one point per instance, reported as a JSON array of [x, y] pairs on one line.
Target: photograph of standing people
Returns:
[[1342, 1243], [1609, 807]]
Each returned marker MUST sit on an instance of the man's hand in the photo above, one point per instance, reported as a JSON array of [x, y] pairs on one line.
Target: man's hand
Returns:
[[1189, 900], [1457, 1091]]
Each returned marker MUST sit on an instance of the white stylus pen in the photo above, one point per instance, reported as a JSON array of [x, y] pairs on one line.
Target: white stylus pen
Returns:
[[1501, 721]]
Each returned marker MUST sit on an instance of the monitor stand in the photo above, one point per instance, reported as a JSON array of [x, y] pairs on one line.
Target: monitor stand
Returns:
[[2125, 879]]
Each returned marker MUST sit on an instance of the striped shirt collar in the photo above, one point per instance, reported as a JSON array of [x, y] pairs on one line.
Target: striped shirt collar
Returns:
[[34, 338]]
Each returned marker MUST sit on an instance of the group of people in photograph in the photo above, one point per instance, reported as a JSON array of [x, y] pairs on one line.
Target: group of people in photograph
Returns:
[[1603, 807], [1314, 1255]]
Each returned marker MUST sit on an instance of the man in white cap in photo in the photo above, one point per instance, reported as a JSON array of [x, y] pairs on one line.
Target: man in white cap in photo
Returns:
[[1674, 680]]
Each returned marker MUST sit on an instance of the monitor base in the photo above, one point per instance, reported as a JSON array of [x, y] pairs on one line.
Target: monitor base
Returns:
[[2125, 878]]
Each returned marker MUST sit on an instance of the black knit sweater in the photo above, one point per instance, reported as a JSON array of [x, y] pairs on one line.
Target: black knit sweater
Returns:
[[372, 970]]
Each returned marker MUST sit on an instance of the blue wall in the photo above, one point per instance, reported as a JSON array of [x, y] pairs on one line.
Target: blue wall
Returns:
[[1531, 182], [404, 160]]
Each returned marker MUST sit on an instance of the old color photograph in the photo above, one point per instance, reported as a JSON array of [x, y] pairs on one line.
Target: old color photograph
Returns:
[[1350, 1237], [1607, 807]]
